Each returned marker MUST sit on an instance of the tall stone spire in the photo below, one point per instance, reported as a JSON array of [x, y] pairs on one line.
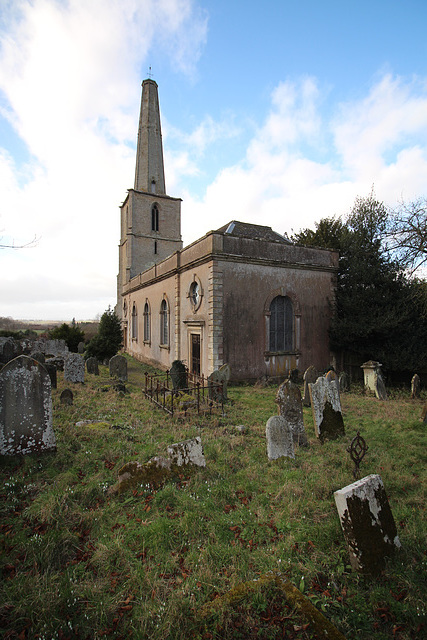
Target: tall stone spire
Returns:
[[149, 172]]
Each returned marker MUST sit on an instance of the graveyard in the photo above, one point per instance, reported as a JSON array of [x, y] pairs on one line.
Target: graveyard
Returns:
[[246, 543]]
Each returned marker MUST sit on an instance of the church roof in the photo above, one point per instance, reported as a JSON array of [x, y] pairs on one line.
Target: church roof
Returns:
[[253, 231]]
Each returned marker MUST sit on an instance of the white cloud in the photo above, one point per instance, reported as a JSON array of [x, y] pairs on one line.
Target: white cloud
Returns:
[[380, 139], [70, 79]]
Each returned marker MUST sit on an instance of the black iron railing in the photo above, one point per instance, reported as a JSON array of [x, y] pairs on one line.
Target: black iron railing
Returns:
[[197, 396]]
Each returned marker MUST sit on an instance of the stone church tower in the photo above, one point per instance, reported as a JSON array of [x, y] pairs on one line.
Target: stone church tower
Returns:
[[150, 229]]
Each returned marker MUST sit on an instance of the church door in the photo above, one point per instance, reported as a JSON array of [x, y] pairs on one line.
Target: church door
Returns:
[[195, 353]]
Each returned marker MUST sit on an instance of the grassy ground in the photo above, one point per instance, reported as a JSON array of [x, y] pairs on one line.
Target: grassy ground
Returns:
[[78, 563]]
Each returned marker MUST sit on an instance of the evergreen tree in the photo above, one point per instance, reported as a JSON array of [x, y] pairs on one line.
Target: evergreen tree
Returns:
[[380, 313], [72, 334], [108, 340]]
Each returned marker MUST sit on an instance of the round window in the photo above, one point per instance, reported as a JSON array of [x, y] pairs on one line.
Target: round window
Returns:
[[195, 294]]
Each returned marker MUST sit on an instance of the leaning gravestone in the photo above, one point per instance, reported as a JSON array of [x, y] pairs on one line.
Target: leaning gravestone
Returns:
[[326, 407], [309, 377], [119, 367], [290, 408], [74, 367], [92, 366], [415, 386], [178, 374], [66, 397], [367, 522], [25, 408], [217, 383], [280, 442]]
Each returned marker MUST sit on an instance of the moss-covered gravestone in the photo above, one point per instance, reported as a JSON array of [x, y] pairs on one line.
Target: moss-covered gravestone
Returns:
[[326, 407], [367, 523], [25, 408]]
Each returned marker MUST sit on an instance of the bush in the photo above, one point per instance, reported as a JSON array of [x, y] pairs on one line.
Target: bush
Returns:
[[108, 341], [72, 334]]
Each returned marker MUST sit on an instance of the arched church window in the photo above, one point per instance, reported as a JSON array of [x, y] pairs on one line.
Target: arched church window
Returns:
[[154, 218], [147, 322], [164, 323], [281, 324], [134, 322]]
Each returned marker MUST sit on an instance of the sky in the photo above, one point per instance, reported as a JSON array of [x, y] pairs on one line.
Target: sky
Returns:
[[277, 113]]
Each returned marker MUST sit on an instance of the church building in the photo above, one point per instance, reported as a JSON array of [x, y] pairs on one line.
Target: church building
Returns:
[[241, 295]]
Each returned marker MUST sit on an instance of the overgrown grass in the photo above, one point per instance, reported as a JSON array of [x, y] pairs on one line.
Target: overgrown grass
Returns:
[[78, 563]]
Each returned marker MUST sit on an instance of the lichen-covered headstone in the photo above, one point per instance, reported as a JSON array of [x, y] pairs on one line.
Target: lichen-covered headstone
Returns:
[[74, 367], [280, 442], [289, 403], [187, 452], [25, 408], [178, 374], [67, 397], [310, 376], [415, 386], [326, 407], [368, 523], [92, 366], [119, 367]]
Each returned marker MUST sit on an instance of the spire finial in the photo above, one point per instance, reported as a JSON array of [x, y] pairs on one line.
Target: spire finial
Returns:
[[149, 74]]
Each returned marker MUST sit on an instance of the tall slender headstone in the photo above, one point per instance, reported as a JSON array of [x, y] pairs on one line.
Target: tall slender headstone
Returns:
[[289, 403], [309, 377], [25, 408], [415, 386]]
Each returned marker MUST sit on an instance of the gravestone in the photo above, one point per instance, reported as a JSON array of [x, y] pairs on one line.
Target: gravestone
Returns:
[[280, 442], [344, 381], [74, 367], [178, 374], [368, 524], [81, 347], [424, 414], [309, 377], [25, 408], [290, 408], [380, 390], [187, 452], [39, 356], [374, 381], [118, 366], [66, 397], [7, 349], [326, 407], [58, 361], [415, 386], [217, 384], [51, 369], [92, 366], [331, 376]]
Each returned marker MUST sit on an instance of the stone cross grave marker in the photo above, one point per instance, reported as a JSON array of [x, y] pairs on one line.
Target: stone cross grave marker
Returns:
[[326, 407], [309, 377], [280, 442], [25, 408], [289, 403], [367, 523], [74, 367], [119, 367]]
